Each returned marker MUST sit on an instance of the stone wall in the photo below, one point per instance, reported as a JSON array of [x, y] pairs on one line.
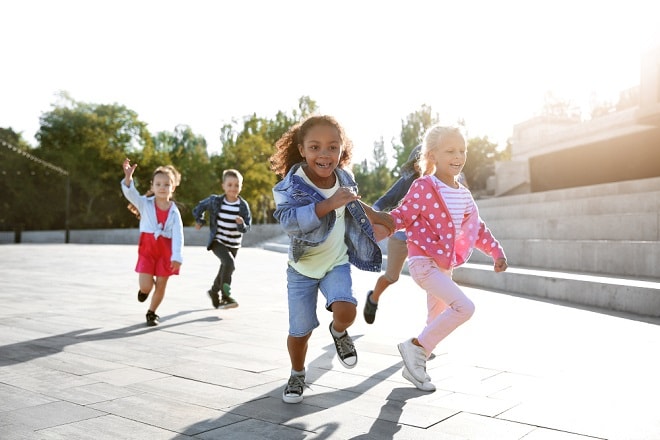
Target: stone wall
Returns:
[[192, 237]]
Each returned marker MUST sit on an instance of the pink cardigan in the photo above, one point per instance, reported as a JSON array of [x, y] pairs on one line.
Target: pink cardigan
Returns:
[[431, 233]]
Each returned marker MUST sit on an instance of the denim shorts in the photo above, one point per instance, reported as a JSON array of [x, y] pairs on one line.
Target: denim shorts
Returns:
[[336, 285]]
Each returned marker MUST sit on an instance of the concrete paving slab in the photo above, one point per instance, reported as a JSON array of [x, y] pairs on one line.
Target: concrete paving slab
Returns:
[[77, 361]]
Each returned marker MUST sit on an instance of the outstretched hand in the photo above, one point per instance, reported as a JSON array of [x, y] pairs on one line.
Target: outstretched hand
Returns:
[[128, 170]]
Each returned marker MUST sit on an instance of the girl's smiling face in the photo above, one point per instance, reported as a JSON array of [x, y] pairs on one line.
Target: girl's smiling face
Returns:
[[321, 149], [449, 158], [162, 186]]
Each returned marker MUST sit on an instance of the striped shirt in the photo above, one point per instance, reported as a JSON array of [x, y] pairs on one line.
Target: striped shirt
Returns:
[[459, 201], [228, 233]]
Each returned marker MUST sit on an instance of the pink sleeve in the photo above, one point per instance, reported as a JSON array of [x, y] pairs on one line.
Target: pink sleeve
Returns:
[[487, 243]]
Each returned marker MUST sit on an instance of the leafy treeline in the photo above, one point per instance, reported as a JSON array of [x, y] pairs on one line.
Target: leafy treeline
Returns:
[[90, 141]]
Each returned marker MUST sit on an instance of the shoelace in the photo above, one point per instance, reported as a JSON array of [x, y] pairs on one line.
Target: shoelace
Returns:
[[345, 346], [296, 384]]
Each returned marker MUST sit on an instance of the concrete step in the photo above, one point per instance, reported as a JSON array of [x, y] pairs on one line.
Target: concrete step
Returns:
[[605, 189], [608, 293], [636, 297], [632, 259], [635, 227], [644, 202]]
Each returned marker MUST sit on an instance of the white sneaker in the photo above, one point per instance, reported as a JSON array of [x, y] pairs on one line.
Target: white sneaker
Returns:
[[424, 386], [414, 359]]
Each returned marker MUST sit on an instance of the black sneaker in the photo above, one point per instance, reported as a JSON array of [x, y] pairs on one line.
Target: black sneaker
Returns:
[[370, 309], [142, 297], [152, 318], [215, 299], [345, 349], [293, 392], [227, 302]]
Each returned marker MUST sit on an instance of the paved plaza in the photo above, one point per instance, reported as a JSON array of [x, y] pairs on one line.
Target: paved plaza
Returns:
[[78, 362]]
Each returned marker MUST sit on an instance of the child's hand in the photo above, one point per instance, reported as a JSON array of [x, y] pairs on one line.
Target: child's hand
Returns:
[[380, 232], [239, 220], [128, 169], [175, 265], [342, 197], [383, 219], [500, 265], [198, 226]]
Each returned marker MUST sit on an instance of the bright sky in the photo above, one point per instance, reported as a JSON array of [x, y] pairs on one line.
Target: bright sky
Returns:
[[368, 63]]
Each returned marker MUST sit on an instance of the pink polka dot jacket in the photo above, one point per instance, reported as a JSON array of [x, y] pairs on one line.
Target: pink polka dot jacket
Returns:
[[430, 231]]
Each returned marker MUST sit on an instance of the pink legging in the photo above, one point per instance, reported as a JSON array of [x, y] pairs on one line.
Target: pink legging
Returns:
[[448, 307]]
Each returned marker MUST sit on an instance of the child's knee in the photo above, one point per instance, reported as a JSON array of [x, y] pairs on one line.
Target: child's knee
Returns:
[[466, 309]]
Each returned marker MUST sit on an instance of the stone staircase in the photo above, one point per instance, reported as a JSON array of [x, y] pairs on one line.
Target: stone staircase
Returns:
[[597, 246]]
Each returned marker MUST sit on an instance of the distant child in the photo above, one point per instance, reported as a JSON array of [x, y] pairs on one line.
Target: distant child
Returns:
[[396, 244], [443, 226], [229, 219], [317, 205], [161, 233]]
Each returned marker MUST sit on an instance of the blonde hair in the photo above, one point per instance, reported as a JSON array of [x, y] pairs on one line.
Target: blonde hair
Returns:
[[434, 138]]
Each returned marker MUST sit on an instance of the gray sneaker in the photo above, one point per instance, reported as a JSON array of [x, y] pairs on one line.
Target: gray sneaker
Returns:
[[345, 349], [370, 309], [293, 392]]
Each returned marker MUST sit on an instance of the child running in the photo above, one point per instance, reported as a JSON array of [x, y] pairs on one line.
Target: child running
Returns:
[[229, 219], [161, 233], [443, 226], [317, 205], [396, 244]]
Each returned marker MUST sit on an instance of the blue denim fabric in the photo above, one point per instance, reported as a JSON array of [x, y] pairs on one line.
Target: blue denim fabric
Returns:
[[213, 203], [335, 286], [295, 204]]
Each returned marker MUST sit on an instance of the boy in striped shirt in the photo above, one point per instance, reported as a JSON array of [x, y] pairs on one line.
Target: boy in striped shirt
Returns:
[[229, 219]]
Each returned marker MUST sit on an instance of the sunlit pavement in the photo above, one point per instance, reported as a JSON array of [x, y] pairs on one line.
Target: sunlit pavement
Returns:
[[77, 361]]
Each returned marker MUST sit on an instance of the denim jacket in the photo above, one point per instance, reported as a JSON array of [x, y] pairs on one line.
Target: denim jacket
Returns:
[[295, 203], [213, 204]]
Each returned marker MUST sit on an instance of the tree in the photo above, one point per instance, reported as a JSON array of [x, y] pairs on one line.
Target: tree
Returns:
[[20, 186], [188, 153], [481, 157], [412, 131], [372, 178], [90, 141]]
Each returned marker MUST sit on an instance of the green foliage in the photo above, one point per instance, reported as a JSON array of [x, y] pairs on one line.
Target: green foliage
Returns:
[[412, 132], [19, 184], [90, 141], [187, 152], [373, 178], [481, 157]]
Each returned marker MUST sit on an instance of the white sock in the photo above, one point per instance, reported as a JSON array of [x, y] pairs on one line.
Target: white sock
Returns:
[[297, 373], [335, 333]]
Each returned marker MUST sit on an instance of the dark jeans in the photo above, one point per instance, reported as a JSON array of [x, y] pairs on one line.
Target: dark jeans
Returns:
[[227, 256]]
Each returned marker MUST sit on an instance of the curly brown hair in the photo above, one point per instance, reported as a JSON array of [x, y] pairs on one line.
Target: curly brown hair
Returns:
[[286, 148]]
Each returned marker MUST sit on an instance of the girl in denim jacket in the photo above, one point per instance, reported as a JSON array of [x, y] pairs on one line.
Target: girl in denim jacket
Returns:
[[329, 229], [161, 233]]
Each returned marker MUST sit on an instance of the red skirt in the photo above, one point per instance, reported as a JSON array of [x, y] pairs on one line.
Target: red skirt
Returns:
[[155, 256]]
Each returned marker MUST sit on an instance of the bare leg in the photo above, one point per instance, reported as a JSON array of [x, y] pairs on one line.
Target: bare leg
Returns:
[[343, 315], [146, 282], [297, 347], [159, 293]]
